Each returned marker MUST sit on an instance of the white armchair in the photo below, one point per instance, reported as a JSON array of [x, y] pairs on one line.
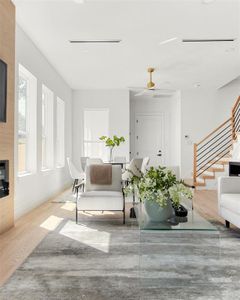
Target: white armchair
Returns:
[[94, 161], [98, 197], [77, 175], [229, 200]]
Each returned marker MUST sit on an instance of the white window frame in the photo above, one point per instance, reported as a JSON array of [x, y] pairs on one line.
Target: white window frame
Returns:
[[31, 121], [87, 141], [47, 129], [60, 134]]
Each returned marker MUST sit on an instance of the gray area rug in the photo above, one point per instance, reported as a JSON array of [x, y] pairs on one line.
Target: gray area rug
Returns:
[[106, 260]]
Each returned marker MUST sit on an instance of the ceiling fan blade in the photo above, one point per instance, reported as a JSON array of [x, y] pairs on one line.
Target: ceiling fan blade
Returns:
[[161, 95], [136, 88], [165, 91]]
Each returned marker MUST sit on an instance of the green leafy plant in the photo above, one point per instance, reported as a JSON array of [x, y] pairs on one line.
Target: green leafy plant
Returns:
[[112, 142], [159, 185]]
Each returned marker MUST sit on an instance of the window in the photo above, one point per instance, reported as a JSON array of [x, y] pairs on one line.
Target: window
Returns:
[[60, 159], [47, 128], [27, 125], [96, 124]]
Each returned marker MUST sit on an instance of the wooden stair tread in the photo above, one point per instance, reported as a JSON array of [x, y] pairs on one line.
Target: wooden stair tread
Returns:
[[205, 176], [220, 162], [213, 169], [200, 183], [223, 162]]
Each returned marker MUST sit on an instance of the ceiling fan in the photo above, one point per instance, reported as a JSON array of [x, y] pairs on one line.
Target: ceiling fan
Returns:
[[150, 89]]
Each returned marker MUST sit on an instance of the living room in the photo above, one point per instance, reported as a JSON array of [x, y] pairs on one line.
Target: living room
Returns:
[[119, 149]]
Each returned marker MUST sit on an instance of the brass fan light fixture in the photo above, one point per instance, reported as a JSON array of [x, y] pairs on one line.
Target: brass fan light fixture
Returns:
[[150, 89], [150, 84]]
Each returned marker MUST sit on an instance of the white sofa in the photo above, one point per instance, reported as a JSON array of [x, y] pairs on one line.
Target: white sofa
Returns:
[[102, 197], [229, 200]]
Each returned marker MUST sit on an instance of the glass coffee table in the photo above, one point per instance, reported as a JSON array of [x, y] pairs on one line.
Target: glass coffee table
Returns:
[[193, 221]]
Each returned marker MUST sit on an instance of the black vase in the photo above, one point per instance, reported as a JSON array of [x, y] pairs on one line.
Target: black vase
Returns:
[[180, 211]]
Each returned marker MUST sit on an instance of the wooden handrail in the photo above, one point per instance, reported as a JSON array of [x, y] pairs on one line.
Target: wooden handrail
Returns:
[[235, 105], [210, 134], [233, 118]]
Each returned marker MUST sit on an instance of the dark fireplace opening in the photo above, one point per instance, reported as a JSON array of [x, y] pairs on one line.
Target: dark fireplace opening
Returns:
[[234, 168], [4, 178]]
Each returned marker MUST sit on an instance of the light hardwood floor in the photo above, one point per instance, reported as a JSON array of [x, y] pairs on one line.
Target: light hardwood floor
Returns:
[[18, 243]]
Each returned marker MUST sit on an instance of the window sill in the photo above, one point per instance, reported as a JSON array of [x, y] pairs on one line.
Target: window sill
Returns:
[[60, 167], [46, 170], [21, 175]]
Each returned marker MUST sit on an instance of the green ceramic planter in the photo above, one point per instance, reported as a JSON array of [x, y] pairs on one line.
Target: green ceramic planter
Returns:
[[156, 213]]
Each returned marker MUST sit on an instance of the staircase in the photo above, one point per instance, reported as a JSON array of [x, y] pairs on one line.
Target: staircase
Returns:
[[212, 154]]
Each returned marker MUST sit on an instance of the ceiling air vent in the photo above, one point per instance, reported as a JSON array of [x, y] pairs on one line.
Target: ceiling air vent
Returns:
[[206, 40], [94, 41]]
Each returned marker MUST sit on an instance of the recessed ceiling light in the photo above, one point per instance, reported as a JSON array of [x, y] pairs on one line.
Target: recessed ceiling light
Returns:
[[168, 41]]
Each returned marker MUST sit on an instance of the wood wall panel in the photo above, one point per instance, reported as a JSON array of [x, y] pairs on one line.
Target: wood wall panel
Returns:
[[7, 54]]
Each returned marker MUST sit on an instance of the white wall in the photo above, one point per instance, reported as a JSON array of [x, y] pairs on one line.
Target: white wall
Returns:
[[32, 190], [117, 101], [201, 112], [170, 106]]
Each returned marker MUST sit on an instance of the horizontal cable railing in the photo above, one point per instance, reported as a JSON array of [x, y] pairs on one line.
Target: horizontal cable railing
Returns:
[[212, 148], [216, 145]]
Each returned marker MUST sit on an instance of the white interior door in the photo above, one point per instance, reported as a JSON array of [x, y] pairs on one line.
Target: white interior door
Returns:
[[149, 138]]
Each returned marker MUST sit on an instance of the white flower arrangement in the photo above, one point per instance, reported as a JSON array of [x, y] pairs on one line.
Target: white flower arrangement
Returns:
[[159, 185]]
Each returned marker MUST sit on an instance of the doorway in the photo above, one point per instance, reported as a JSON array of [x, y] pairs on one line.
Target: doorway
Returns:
[[155, 129], [150, 137]]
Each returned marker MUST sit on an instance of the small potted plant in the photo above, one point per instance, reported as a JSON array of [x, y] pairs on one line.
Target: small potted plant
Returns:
[[112, 142], [160, 192]]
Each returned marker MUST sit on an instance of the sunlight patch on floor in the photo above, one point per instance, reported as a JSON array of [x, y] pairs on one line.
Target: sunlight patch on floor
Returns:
[[51, 223], [70, 206], [96, 213], [87, 235]]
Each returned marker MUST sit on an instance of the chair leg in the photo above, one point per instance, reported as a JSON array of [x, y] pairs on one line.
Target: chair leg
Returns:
[[124, 206], [74, 183], [133, 196], [76, 214], [132, 211], [227, 223], [124, 216]]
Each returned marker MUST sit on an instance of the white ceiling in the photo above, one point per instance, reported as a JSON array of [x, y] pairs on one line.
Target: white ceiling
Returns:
[[142, 26]]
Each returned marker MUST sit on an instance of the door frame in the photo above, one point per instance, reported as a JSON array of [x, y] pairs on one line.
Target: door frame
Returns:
[[164, 117]]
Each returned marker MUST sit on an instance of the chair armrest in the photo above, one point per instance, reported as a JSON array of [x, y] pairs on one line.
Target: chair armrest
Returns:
[[228, 185]]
